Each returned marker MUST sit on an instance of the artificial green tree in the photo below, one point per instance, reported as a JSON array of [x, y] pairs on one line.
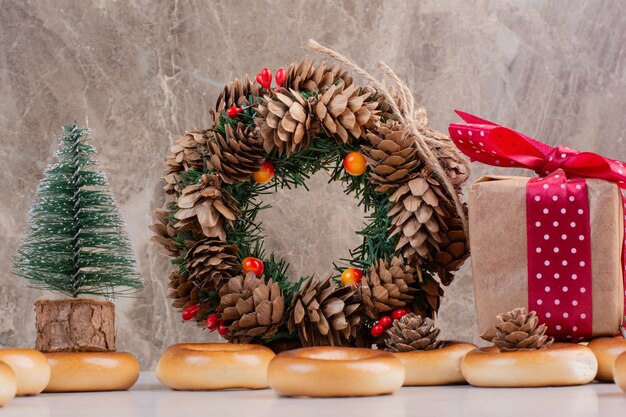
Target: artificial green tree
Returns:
[[76, 244]]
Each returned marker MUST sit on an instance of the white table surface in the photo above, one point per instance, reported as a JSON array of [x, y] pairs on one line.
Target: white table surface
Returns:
[[149, 398]]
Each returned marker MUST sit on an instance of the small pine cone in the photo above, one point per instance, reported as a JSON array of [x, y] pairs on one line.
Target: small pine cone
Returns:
[[238, 154], [311, 77], [165, 233], [208, 205], [324, 314], [286, 123], [412, 333], [251, 308], [386, 286], [237, 93], [517, 330], [211, 263], [344, 112], [391, 154], [186, 154]]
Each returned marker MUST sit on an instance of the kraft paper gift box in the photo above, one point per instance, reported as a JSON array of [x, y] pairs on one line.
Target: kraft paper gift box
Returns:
[[553, 243], [498, 239]]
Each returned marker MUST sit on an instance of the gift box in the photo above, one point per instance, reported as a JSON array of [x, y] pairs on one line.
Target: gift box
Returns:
[[499, 245], [554, 243]]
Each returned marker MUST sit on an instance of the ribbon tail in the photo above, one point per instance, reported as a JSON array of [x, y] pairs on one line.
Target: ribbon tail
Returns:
[[471, 119]]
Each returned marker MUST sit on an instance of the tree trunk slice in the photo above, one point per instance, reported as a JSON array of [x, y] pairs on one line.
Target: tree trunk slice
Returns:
[[75, 325]]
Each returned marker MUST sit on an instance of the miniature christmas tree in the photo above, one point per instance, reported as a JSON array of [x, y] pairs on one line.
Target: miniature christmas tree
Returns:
[[76, 245]]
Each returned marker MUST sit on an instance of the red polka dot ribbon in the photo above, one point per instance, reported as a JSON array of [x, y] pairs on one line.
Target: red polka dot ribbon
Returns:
[[558, 229], [559, 248]]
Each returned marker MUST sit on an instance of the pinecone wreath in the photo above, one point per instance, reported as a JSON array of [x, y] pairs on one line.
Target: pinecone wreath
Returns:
[[251, 308], [275, 131], [324, 314], [412, 333], [518, 330]]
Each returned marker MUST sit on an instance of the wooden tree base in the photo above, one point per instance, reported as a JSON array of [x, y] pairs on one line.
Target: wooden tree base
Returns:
[[75, 325]]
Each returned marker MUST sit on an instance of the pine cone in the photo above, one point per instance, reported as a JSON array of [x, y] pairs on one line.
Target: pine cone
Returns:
[[250, 307], [427, 298], [236, 93], [210, 264], [324, 314], [391, 154], [165, 233], [286, 121], [207, 204], [453, 249], [386, 286], [344, 111], [418, 217], [186, 154], [517, 330], [238, 155], [186, 294], [431, 233], [311, 77], [412, 333]]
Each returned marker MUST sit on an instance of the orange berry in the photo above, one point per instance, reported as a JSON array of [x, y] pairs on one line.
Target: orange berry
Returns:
[[351, 276], [265, 174], [354, 163]]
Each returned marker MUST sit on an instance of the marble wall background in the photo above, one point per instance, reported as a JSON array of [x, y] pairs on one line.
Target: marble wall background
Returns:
[[139, 73]]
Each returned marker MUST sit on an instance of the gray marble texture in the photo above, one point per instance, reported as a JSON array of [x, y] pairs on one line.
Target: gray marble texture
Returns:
[[140, 73]]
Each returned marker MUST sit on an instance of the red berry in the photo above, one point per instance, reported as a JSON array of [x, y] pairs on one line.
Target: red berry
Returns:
[[377, 330], [407, 310], [253, 265], [233, 112], [221, 328], [385, 321], [265, 78], [398, 313], [211, 321], [281, 76], [190, 312]]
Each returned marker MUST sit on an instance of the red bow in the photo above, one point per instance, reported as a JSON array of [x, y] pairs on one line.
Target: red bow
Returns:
[[492, 144]]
